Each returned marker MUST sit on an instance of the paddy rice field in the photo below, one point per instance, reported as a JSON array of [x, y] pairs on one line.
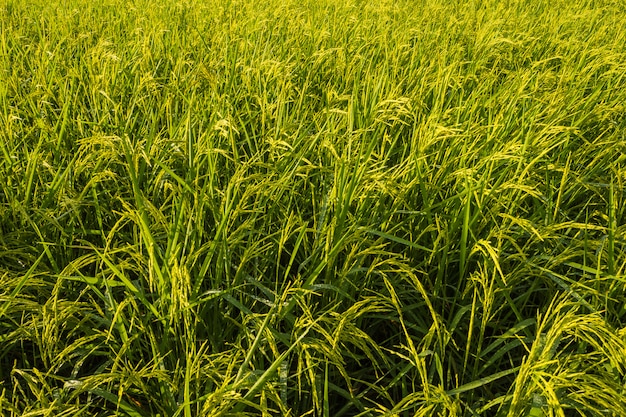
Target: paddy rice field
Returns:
[[312, 208]]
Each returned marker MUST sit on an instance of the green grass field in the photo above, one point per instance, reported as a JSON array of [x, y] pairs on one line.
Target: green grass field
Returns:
[[312, 208]]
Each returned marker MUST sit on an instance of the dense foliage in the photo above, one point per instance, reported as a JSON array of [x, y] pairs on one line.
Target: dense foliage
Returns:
[[318, 207]]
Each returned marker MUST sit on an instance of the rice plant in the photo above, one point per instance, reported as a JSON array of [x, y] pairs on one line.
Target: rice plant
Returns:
[[312, 208]]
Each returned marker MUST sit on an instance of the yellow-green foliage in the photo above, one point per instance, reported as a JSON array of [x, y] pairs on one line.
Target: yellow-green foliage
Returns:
[[313, 207]]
